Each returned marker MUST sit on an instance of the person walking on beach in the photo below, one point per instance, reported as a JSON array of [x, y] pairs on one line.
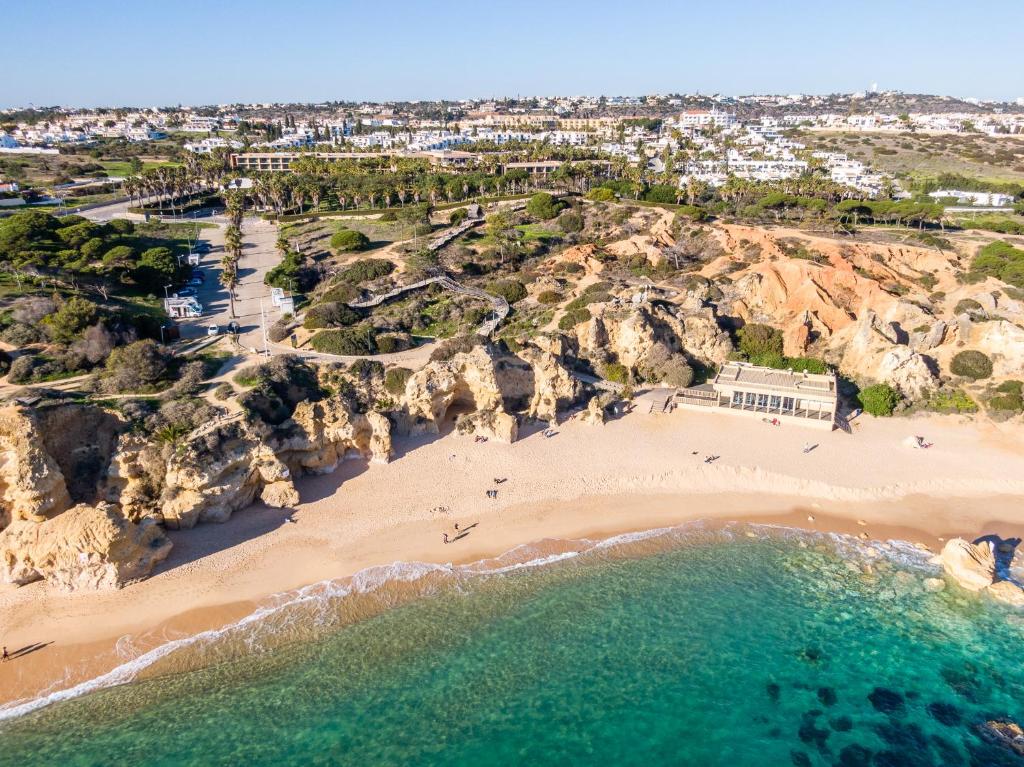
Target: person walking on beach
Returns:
[[7, 655], [445, 537]]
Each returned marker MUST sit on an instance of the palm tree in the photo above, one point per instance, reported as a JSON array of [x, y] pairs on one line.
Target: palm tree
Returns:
[[229, 278]]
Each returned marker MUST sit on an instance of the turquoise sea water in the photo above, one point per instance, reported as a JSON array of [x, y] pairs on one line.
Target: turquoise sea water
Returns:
[[689, 647]]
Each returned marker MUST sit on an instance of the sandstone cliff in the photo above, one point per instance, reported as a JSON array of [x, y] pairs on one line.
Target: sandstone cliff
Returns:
[[84, 548]]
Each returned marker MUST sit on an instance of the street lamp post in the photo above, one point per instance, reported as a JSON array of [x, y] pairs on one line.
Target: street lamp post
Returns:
[[166, 296]]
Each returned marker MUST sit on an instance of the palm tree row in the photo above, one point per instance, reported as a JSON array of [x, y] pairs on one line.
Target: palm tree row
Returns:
[[229, 261]]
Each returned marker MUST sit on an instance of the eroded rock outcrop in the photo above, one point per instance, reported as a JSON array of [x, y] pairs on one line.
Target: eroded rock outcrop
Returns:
[[32, 486], [971, 565], [219, 472], [464, 386], [554, 388], [975, 567], [632, 333], [84, 548], [595, 413]]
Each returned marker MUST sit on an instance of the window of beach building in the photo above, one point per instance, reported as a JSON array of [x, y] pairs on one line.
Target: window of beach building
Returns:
[[737, 398], [750, 399]]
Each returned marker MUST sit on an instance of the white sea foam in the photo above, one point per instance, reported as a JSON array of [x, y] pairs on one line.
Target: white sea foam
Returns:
[[322, 597]]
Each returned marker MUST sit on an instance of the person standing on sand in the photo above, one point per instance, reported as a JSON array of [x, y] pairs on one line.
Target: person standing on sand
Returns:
[[7, 655], [445, 537]]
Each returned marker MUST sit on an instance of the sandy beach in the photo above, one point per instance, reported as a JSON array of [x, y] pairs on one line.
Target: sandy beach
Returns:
[[638, 472]]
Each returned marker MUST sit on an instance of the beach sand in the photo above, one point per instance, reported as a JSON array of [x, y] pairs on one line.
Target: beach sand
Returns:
[[639, 472]]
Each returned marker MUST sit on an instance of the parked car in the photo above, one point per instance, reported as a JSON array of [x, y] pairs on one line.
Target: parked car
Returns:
[[213, 330], [195, 282], [186, 292], [201, 247], [198, 274]]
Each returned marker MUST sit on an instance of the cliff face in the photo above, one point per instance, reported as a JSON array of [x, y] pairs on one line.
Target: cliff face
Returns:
[[479, 391], [84, 548], [226, 468], [215, 472], [633, 332], [32, 486]]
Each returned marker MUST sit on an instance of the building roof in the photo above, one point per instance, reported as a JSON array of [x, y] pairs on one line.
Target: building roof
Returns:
[[754, 376]]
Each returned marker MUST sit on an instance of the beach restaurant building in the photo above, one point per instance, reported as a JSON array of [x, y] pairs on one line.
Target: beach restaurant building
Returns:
[[808, 399]]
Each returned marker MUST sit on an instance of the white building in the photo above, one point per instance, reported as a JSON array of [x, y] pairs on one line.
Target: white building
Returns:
[[983, 199], [207, 145], [807, 399], [702, 118]]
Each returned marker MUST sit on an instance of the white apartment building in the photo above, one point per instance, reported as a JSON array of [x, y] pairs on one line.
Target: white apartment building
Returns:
[[207, 145], [700, 118], [982, 199]]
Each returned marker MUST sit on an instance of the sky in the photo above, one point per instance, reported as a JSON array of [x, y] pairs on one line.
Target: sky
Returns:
[[147, 53]]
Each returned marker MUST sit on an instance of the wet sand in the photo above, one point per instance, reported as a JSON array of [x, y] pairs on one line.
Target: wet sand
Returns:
[[637, 473]]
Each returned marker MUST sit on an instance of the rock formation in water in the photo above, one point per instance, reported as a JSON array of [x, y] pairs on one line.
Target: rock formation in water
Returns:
[[971, 565], [974, 566]]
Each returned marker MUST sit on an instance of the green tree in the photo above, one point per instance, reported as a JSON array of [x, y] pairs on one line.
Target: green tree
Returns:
[[71, 318], [135, 367], [156, 268], [542, 206]]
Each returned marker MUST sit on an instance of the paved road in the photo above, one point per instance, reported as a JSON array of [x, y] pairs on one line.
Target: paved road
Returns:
[[259, 254]]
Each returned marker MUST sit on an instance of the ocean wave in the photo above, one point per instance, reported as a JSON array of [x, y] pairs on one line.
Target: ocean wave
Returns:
[[323, 598]]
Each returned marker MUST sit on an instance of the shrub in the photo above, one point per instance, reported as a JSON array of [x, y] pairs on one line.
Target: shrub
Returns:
[[675, 372], [281, 384], [967, 306], [573, 317], [22, 334], [341, 292], [1001, 260], [136, 367], [279, 331], [366, 370], [21, 369], [663, 193], [348, 341], [542, 206], [349, 240], [457, 216], [457, 345], [951, 401], [761, 344], [510, 290], [570, 221], [601, 194], [691, 213], [1011, 387], [330, 315], [549, 297], [971, 364], [1012, 403], [389, 344], [806, 365], [615, 372], [388, 216], [879, 400], [395, 380], [224, 391]]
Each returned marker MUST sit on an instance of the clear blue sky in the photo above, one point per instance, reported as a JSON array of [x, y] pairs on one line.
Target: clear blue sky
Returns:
[[148, 53]]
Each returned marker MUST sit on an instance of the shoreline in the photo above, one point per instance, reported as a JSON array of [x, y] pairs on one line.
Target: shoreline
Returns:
[[219, 574]]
